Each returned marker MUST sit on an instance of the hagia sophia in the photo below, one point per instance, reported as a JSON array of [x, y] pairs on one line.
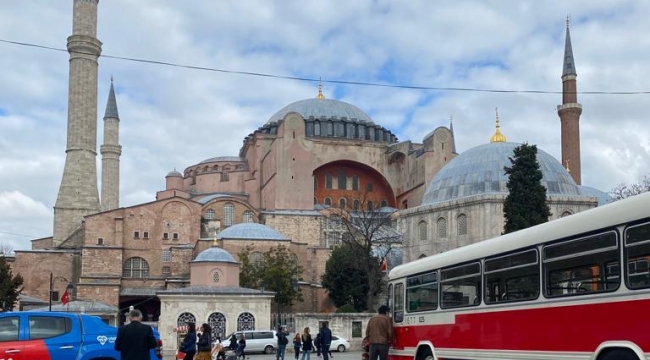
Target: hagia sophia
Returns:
[[306, 158]]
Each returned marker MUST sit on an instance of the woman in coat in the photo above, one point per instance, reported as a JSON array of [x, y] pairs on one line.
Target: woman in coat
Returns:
[[204, 346], [297, 343], [188, 346], [307, 344]]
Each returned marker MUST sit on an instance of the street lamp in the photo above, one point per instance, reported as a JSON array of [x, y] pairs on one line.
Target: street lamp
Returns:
[[52, 278]]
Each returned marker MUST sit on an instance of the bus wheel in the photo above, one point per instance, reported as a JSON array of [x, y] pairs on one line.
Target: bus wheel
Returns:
[[619, 354], [425, 354]]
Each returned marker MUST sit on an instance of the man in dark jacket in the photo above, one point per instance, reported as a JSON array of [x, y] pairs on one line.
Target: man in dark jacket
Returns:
[[325, 340], [135, 340]]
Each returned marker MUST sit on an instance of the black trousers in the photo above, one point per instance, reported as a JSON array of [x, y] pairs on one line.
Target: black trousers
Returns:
[[378, 351]]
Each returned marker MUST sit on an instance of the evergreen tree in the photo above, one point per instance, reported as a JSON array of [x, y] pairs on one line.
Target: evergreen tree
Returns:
[[10, 286], [525, 205]]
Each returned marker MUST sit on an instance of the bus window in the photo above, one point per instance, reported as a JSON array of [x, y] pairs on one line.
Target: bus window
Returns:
[[582, 266], [398, 311], [422, 292], [389, 300], [637, 256], [512, 277], [461, 286]]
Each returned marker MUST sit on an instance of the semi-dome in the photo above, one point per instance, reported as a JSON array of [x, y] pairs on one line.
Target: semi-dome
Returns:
[[250, 231], [480, 171], [215, 254], [322, 108]]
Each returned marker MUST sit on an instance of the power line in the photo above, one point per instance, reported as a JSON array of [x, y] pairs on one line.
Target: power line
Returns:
[[340, 82], [23, 235]]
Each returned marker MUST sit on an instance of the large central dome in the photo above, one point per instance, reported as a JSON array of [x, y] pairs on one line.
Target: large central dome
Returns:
[[322, 108], [480, 171]]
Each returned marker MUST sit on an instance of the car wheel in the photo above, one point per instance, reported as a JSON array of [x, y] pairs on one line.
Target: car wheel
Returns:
[[341, 348], [269, 349]]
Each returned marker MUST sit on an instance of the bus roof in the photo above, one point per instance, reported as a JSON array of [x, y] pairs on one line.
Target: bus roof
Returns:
[[613, 214]]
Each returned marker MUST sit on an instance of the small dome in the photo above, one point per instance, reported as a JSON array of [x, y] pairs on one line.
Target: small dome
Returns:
[[250, 231], [174, 173], [322, 108], [215, 254], [480, 171]]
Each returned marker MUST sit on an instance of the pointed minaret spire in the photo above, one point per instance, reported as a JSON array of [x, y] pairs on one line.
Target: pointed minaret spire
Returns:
[[320, 89], [111, 151], [453, 136], [570, 111], [569, 63], [498, 136]]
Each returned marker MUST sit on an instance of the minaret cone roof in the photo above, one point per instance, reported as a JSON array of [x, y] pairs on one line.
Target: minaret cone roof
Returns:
[[569, 63], [111, 105]]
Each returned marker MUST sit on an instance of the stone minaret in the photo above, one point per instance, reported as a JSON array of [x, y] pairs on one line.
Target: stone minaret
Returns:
[[78, 194], [569, 112], [111, 151]]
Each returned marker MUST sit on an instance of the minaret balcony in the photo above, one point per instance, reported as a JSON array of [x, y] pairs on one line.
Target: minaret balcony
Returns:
[[569, 106]]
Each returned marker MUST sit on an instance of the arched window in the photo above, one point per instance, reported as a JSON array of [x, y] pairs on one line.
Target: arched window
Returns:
[[461, 222], [217, 322], [135, 268], [342, 183], [245, 321], [384, 203], [216, 277], [328, 201], [328, 181], [421, 256], [315, 201], [357, 205], [342, 203], [256, 258], [355, 182], [422, 230], [228, 214], [442, 227], [317, 131], [239, 167], [566, 213], [248, 216], [370, 206], [209, 214], [185, 318]]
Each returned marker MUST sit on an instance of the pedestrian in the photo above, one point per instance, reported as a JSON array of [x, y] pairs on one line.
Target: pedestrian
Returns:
[[188, 345], [233, 342], [379, 332], [297, 343], [282, 343], [325, 340], [204, 345], [135, 340], [307, 344], [241, 345]]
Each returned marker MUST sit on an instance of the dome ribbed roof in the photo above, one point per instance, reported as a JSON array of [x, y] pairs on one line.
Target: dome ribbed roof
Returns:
[[174, 173], [603, 197], [480, 171], [322, 108], [250, 231], [215, 254]]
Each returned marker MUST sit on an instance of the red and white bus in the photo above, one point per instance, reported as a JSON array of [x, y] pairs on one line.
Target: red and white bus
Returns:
[[573, 288]]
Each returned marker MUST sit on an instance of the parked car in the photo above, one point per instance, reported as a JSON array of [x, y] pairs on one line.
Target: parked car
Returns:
[[257, 340], [339, 344], [58, 335]]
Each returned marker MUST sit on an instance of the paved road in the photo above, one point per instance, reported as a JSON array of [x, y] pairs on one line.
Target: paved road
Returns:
[[348, 355]]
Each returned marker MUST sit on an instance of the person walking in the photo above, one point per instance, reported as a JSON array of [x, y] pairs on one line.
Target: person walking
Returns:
[[233, 342], [325, 340], [188, 346], [241, 345], [297, 343], [307, 344], [379, 332], [204, 345], [135, 340], [317, 344], [282, 342]]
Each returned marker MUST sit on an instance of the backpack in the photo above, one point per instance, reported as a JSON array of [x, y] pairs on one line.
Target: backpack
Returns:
[[283, 339]]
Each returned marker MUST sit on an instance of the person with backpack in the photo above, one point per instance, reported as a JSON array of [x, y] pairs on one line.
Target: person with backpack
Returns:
[[282, 343]]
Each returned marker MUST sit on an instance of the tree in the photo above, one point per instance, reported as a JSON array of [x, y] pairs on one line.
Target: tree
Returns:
[[345, 280], [277, 271], [6, 249], [525, 205], [10, 286], [369, 234], [622, 191]]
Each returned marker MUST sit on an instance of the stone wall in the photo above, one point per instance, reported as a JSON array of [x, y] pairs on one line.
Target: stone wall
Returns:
[[340, 324]]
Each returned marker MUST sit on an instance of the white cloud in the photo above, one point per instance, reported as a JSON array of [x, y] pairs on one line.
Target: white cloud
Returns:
[[174, 117]]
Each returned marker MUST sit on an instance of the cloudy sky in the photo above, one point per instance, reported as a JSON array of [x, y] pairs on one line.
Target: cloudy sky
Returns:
[[173, 117]]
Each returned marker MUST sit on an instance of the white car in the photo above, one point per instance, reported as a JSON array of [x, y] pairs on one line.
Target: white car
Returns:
[[339, 344]]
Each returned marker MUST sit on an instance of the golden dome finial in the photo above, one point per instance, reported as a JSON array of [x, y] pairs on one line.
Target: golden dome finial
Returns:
[[498, 136], [567, 166], [320, 89]]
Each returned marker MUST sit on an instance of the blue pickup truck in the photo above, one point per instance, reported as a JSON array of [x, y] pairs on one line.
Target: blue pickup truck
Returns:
[[59, 336]]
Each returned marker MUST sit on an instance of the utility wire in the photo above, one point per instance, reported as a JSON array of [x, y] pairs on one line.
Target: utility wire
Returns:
[[341, 82], [23, 235]]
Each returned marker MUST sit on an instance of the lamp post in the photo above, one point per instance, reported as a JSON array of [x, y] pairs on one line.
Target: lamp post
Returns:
[[52, 278]]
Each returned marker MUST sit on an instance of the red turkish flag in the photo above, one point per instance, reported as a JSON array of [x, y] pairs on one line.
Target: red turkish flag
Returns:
[[65, 298], [383, 265]]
